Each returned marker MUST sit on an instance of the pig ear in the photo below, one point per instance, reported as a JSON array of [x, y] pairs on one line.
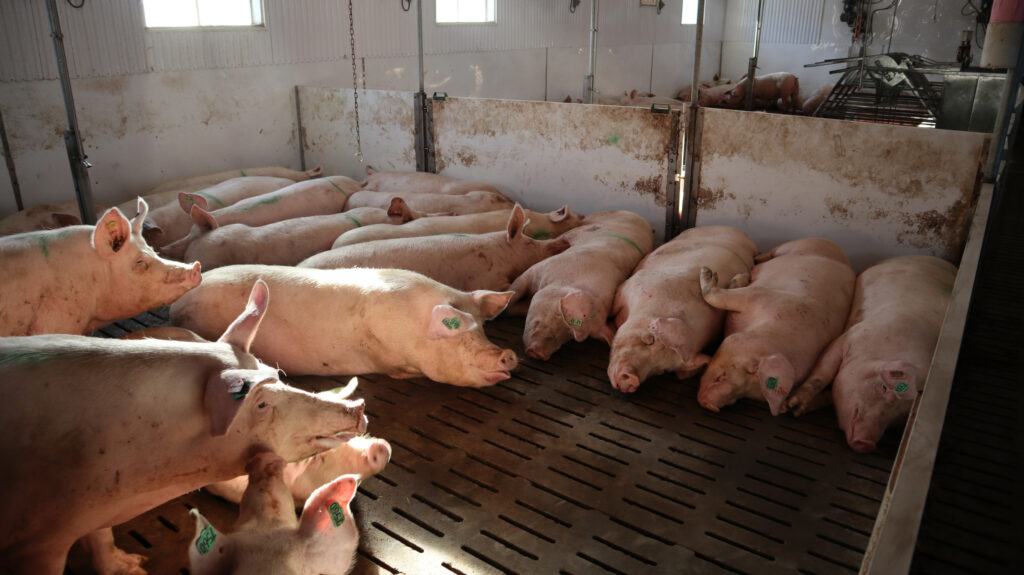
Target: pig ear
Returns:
[[226, 392], [516, 223], [491, 303], [242, 331], [899, 381], [112, 232], [327, 508], [560, 214], [577, 309], [776, 376], [203, 218], [671, 332], [187, 200], [65, 220], [206, 550], [140, 216], [446, 321]]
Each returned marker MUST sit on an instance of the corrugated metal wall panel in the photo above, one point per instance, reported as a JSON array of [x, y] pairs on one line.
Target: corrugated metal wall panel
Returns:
[[782, 22], [108, 38]]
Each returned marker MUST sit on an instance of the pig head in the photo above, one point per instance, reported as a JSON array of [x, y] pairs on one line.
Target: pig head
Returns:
[[871, 398], [642, 350], [746, 367], [268, 539], [559, 313]]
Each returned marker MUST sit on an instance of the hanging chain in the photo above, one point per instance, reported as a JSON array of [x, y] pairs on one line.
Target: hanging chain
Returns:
[[355, 80]]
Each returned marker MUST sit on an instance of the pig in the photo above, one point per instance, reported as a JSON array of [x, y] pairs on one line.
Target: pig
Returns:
[[420, 183], [269, 540], [779, 90], [573, 291], [44, 217], [465, 262], [362, 456], [456, 204], [715, 96], [171, 222], [167, 192], [113, 428], [880, 362], [810, 104], [207, 180], [662, 322], [795, 305], [287, 242], [314, 197], [77, 279], [539, 226], [354, 321]]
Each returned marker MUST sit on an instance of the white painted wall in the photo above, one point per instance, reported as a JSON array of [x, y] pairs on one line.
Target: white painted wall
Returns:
[[160, 104], [928, 28]]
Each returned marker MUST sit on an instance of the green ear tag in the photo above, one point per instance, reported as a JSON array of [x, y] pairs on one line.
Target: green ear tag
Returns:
[[540, 235], [206, 539], [240, 394], [189, 199], [575, 321], [771, 383], [452, 322], [902, 386], [337, 515]]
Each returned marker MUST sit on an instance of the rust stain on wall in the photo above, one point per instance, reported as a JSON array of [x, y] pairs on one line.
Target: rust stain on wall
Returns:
[[708, 199], [930, 228], [467, 158], [651, 186]]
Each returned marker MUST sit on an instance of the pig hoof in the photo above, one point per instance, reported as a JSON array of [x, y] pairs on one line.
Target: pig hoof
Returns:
[[708, 280], [379, 455], [739, 280]]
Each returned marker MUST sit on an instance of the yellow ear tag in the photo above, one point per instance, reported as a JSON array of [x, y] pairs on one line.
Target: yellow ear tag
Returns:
[[111, 225]]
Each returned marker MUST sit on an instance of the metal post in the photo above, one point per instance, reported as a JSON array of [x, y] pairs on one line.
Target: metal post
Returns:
[[686, 214], [588, 81], [422, 112], [72, 137], [748, 102], [10, 164]]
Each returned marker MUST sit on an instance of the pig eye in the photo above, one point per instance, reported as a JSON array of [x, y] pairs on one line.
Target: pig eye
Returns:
[[262, 405], [141, 264]]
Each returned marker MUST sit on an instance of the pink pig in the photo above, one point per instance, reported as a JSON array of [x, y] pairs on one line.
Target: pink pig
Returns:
[[778, 91], [466, 262], [269, 540], [320, 196], [420, 183], [663, 323], [287, 242], [171, 222], [80, 278], [362, 456], [452, 204], [353, 321], [539, 226], [573, 291], [45, 217], [878, 366], [796, 304]]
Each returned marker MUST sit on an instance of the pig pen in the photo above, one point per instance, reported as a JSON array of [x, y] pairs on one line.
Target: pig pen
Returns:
[[553, 471]]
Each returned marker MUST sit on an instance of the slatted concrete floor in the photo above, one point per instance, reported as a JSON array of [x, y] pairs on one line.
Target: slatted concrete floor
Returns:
[[554, 472]]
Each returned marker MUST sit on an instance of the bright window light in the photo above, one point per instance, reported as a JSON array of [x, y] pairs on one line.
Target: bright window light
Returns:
[[195, 13], [689, 11], [464, 11]]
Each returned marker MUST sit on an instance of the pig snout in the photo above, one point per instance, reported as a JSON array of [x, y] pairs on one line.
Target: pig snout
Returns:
[[713, 398], [625, 380], [860, 436], [539, 351], [498, 364], [379, 454], [189, 277]]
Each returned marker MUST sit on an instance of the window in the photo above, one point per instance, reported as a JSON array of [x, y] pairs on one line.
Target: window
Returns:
[[690, 11], [464, 11], [194, 13]]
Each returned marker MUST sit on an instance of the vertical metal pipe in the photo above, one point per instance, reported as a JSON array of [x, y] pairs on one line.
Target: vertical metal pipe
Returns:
[[748, 101], [588, 85], [419, 38], [298, 129], [686, 215], [72, 137], [10, 164]]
